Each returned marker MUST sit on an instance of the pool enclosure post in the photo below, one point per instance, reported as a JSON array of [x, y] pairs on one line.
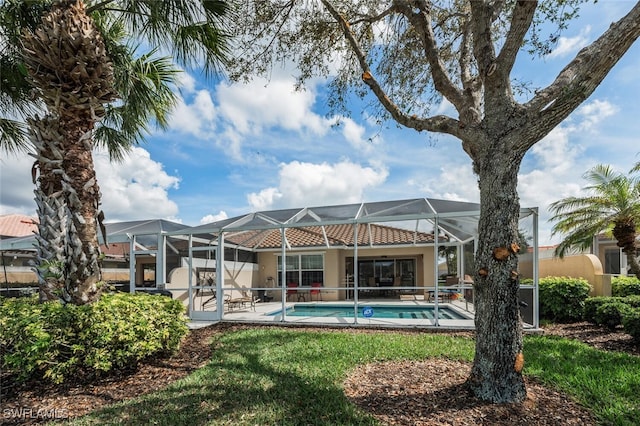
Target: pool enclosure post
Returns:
[[132, 264], [355, 273], [435, 268], [220, 275], [536, 311], [283, 277]]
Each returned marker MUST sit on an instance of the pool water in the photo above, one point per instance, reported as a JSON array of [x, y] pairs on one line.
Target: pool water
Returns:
[[373, 311]]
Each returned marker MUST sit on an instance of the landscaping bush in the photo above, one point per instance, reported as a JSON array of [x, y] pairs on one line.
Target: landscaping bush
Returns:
[[622, 286], [631, 323], [591, 304], [562, 298], [53, 341], [610, 314]]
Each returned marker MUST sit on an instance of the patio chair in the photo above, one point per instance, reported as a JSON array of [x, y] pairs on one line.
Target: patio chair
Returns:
[[315, 289], [240, 301], [447, 293], [292, 290]]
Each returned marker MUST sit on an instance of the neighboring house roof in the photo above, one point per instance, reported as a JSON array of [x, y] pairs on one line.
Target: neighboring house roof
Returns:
[[17, 225], [146, 232], [336, 235]]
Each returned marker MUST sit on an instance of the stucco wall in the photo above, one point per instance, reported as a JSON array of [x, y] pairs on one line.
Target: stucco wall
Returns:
[[586, 266], [335, 267]]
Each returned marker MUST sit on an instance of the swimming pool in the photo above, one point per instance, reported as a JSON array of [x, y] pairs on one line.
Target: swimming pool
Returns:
[[372, 310]]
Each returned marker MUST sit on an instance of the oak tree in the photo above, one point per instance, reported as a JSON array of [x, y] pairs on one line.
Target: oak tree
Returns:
[[411, 54]]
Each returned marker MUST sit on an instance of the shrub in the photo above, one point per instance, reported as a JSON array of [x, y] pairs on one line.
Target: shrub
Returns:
[[562, 298], [53, 341], [631, 323], [622, 286], [610, 314], [633, 301], [591, 305]]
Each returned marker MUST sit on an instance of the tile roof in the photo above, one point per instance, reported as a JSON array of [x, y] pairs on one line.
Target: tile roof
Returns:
[[336, 235], [17, 225]]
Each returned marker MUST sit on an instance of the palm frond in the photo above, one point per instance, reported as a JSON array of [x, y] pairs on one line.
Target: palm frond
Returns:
[[613, 197], [144, 86], [193, 31], [13, 136]]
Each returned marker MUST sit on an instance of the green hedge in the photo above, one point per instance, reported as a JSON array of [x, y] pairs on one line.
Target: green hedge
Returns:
[[53, 341], [592, 304], [631, 323], [610, 314], [562, 298], [622, 286]]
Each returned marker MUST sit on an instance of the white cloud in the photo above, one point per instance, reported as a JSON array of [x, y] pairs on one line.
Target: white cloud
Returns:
[[307, 184], [555, 153], [455, 182], [569, 45], [196, 118], [265, 199], [186, 82], [16, 187], [221, 215], [595, 112], [257, 105], [137, 188]]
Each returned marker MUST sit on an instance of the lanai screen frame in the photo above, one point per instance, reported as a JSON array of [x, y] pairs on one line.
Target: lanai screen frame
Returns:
[[457, 220]]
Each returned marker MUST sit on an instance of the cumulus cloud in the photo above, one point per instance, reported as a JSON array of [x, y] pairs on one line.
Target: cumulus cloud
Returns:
[[196, 116], [210, 218], [569, 45], [455, 183], [594, 113], [137, 188], [306, 184], [256, 105], [16, 187]]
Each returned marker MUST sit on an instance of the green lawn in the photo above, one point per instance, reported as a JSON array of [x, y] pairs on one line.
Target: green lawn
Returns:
[[262, 376]]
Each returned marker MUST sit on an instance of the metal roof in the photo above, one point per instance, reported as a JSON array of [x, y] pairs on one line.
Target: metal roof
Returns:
[[322, 225], [458, 220]]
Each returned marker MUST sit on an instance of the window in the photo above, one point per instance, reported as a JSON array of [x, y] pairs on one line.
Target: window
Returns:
[[302, 269], [612, 261]]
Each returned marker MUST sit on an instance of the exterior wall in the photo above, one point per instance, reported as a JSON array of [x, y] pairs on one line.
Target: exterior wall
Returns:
[[26, 275], [586, 266], [335, 267], [19, 275]]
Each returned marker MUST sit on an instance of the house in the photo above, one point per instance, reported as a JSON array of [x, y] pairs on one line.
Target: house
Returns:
[[343, 253]]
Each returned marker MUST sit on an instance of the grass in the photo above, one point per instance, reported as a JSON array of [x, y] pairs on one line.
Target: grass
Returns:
[[288, 377]]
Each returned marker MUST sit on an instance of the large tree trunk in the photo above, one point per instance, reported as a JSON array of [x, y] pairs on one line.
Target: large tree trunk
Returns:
[[496, 375], [68, 63]]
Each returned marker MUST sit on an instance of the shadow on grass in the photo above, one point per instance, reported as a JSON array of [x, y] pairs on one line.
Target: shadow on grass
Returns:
[[248, 381]]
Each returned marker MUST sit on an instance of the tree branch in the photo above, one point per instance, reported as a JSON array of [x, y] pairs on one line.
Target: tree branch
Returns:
[[422, 23], [436, 124], [520, 24], [578, 80]]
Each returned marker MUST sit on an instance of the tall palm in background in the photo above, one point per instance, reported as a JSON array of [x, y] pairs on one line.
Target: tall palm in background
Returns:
[[77, 80], [613, 205]]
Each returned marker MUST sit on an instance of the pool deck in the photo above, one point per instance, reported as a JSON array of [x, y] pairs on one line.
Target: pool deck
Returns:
[[263, 310]]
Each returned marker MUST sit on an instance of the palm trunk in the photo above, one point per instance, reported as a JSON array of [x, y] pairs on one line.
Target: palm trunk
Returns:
[[496, 375], [68, 63], [52, 212]]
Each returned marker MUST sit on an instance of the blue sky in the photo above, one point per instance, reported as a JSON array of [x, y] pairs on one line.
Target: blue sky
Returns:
[[232, 149]]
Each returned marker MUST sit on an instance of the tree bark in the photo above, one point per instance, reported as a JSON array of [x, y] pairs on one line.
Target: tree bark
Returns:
[[496, 375], [68, 64]]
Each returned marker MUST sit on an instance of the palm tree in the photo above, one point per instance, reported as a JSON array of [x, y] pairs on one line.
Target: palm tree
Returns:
[[78, 69], [613, 205]]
